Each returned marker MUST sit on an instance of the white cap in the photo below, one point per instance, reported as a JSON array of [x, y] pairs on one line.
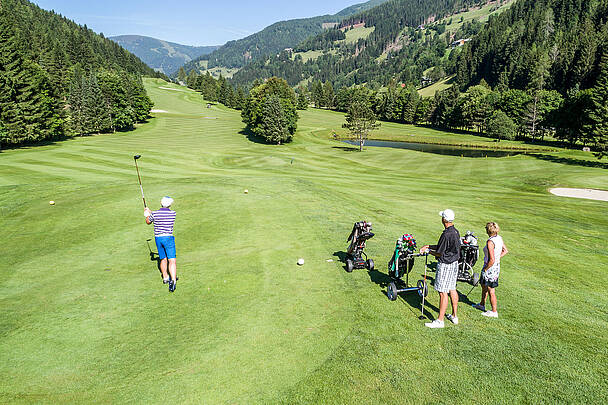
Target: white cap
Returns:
[[448, 215], [166, 201]]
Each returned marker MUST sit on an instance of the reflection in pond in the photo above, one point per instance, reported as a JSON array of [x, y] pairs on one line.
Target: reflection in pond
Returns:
[[440, 149]]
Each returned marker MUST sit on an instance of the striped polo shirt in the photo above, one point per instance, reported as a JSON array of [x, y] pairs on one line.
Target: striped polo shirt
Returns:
[[163, 220]]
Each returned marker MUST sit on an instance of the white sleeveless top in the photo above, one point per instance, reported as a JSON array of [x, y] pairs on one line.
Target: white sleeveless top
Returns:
[[498, 244]]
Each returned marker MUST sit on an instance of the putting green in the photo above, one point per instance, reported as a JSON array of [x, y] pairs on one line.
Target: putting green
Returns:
[[85, 317]]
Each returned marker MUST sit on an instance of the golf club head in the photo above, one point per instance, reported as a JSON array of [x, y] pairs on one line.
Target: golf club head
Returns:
[[136, 157], [421, 317]]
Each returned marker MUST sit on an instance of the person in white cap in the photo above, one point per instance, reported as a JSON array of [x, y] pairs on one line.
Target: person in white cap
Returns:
[[447, 252], [164, 219]]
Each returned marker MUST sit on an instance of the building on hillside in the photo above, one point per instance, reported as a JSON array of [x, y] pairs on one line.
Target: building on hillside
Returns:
[[460, 42]]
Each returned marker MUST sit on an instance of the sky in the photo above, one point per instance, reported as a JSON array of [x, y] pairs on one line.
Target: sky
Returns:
[[201, 22]]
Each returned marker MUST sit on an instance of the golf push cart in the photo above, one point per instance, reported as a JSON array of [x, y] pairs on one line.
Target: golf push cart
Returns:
[[355, 255], [401, 264], [469, 253]]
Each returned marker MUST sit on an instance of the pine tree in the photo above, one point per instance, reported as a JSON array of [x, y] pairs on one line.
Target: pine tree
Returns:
[[599, 112], [76, 120], [28, 110], [302, 101], [239, 99], [317, 94], [328, 95], [95, 108], [181, 76]]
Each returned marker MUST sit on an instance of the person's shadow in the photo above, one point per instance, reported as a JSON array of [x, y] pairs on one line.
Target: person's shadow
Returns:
[[154, 257], [411, 298]]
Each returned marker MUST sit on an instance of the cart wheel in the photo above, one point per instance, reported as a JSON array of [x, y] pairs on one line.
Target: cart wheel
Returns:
[[391, 291], [370, 264], [423, 288], [475, 279], [349, 265]]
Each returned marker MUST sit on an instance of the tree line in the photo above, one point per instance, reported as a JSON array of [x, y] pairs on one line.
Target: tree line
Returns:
[[53, 71], [500, 113]]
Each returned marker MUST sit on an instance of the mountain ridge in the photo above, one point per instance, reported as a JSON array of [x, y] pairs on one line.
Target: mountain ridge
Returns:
[[272, 39], [161, 55]]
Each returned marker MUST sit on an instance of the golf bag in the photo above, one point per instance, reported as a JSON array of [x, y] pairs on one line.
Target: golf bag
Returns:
[[402, 260], [400, 265], [358, 237], [469, 253]]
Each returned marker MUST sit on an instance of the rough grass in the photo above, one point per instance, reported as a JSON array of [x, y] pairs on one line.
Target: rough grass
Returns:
[[481, 14], [85, 317], [355, 34], [429, 91], [306, 56]]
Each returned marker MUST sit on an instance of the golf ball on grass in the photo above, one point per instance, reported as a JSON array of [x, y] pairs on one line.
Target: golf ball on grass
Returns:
[[300, 261], [246, 191], [52, 202]]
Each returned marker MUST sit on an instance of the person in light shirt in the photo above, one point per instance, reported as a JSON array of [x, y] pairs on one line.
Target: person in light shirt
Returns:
[[493, 251], [163, 220]]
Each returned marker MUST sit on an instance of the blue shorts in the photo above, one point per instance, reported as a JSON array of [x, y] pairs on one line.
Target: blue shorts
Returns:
[[165, 246]]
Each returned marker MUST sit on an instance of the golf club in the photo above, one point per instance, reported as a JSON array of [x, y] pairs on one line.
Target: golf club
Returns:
[[139, 178], [152, 258], [471, 290], [426, 259]]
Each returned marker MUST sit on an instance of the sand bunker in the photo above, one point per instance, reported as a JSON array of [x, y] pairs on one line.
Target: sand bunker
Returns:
[[157, 111], [587, 193]]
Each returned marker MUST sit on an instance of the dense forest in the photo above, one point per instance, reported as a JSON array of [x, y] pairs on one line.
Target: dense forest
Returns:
[[557, 42], [60, 79], [274, 39], [403, 44], [534, 70]]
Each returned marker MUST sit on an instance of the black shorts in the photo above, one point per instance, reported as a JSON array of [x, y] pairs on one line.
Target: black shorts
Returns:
[[491, 284]]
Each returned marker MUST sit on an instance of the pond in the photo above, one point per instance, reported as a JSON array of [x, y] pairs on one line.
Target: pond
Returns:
[[439, 149]]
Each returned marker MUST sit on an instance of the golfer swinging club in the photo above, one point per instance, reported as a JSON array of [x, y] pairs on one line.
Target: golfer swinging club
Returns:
[[447, 251], [163, 220]]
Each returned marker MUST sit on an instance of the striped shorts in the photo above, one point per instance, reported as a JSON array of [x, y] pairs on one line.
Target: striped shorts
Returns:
[[445, 278]]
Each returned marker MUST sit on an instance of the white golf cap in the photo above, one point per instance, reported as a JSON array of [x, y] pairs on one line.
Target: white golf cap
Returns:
[[448, 215], [166, 201]]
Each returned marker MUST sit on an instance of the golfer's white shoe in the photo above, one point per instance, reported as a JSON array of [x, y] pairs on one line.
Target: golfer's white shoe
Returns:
[[480, 307], [490, 314], [435, 324], [452, 318]]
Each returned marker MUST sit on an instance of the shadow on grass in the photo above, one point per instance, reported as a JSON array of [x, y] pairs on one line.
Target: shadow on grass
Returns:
[[464, 299], [253, 137], [341, 255], [346, 148], [570, 161], [154, 257], [411, 298]]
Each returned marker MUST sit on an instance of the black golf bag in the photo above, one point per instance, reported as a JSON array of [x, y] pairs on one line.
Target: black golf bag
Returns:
[[469, 253], [359, 235]]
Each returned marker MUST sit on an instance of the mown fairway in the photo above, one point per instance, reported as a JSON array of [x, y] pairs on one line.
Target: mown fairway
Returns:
[[85, 317]]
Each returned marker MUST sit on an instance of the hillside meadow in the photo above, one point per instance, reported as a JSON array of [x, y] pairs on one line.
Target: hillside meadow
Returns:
[[86, 318]]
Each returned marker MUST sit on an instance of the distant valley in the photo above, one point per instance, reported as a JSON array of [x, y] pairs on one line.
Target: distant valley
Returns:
[[162, 56]]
